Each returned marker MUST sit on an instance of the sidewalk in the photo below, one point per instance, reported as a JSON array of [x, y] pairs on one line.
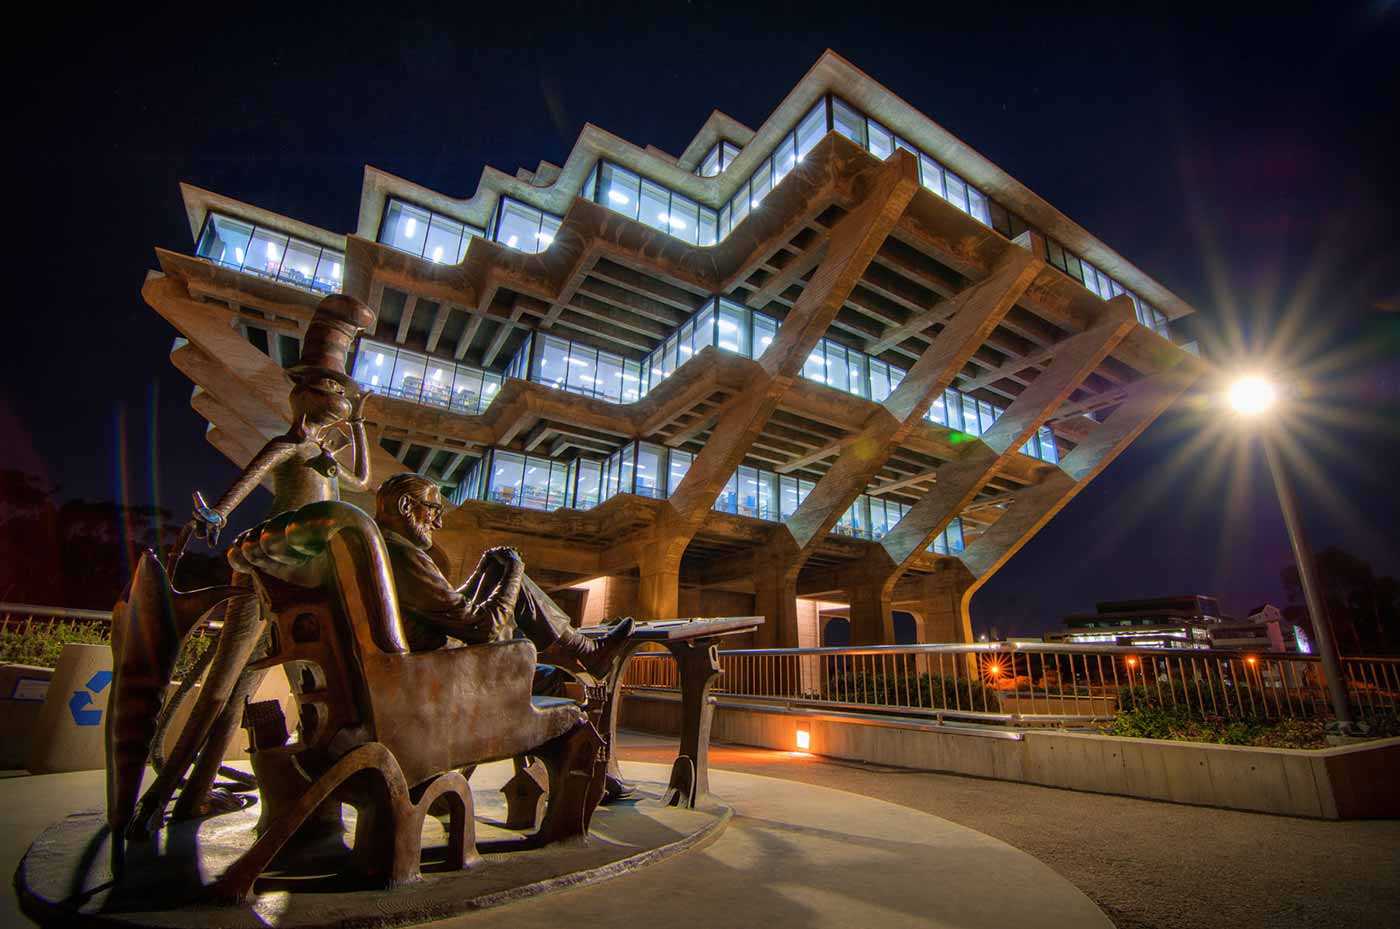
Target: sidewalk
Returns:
[[1147, 865]]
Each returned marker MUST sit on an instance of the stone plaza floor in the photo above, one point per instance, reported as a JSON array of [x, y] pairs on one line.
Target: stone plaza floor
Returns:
[[1148, 865], [911, 848]]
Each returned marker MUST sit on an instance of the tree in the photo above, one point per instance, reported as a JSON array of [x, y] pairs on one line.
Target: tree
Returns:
[[1364, 609], [80, 553]]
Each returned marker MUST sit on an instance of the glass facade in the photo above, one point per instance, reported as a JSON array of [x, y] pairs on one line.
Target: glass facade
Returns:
[[733, 327], [647, 470], [717, 159], [648, 202], [1103, 285], [422, 232], [396, 372], [538, 483], [577, 368], [520, 226], [252, 249]]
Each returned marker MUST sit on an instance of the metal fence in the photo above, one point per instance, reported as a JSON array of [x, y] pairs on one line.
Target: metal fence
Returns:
[[27, 618], [1033, 683]]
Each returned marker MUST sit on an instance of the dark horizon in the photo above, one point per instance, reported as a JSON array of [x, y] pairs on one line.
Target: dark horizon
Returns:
[[1241, 156]]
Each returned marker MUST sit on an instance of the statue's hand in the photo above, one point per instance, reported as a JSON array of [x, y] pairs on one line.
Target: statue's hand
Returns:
[[357, 409], [206, 521], [504, 554]]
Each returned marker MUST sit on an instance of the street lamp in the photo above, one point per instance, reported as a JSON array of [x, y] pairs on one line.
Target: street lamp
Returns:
[[1252, 396]]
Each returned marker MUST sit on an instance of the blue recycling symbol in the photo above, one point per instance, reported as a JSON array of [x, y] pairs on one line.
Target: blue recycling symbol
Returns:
[[80, 701]]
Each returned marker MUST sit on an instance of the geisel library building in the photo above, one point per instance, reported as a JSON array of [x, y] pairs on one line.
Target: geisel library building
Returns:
[[837, 362]]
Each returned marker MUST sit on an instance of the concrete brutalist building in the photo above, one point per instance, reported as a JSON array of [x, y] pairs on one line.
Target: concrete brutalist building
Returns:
[[841, 357]]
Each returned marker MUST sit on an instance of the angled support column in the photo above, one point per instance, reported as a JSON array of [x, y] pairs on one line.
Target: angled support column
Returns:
[[775, 599], [959, 480], [1035, 506], [979, 309], [940, 600], [853, 244]]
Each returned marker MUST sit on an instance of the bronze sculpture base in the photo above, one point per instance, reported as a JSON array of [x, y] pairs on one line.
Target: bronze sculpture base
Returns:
[[65, 878]]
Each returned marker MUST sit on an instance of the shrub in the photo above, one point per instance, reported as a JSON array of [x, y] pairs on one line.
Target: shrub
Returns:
[[42, 644], [930, 691]]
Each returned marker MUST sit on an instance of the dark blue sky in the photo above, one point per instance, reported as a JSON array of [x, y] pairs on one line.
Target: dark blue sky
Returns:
[[1242, 154]]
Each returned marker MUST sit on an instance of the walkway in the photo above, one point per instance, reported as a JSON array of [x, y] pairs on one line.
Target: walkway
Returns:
[[1147, 865]]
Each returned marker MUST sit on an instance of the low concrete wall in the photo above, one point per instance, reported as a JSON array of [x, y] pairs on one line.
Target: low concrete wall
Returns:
[[1355, 781], [64, 730], [22, 691]]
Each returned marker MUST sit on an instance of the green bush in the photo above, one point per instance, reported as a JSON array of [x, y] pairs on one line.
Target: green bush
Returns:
[[42, 644]]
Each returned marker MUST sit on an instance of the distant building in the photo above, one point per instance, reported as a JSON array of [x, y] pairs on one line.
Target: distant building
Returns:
[[1266, 630], [1185, 621]]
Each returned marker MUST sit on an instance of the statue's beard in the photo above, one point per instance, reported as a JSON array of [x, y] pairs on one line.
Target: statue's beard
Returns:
[[421, 532]]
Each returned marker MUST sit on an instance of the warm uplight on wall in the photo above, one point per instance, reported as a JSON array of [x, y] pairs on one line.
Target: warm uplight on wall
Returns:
[[1132, 662], [1252, 660], [804, 740]]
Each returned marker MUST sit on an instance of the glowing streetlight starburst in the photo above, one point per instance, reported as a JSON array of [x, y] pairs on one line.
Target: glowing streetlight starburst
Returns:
[[1252, 395]]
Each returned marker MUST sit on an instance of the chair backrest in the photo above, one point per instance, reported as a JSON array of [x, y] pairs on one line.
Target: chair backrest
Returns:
[[324, 572]]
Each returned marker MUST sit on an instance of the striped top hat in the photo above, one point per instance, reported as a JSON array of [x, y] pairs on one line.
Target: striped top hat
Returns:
[[338, 319]]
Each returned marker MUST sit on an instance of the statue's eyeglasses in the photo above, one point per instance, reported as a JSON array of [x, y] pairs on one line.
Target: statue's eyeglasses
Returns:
[[435, 508]]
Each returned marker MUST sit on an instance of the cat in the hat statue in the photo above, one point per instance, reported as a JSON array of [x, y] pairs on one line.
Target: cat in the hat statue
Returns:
[[326, 404]]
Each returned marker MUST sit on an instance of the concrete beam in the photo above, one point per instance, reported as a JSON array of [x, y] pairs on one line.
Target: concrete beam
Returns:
[[1007, 271], [979, 309], [464, 341], [959, 481], [444, 311], [1035, 505], [410, 304]]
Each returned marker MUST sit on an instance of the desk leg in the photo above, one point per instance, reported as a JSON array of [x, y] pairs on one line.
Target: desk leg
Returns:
[[698, 663], [615, 787]]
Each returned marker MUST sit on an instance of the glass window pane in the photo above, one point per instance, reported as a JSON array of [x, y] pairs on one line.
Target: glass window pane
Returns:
[[683, 220], [437, 387], [814, 369], [931, 174], [677, 467], [328, 271], [760, 183], [549, 227], [649, 473], [625, 469], [764, 330], [444, 239], [767, 495], [466, 391], [970, 420], [265, 252], [709, 227], [655, 204], [506, 472], [710, 166], [704, 327], [374, 363], [589, 482], [879, 380], [552, 366], [405, 226], [978, 205], [299, 263], [1048, 451], [583, 367], [938, 412], [740, 204], [534, 491], [784, 157], [957, 191], [609, 376], [733, 328], [620, 190], [954, 402], [881, 140], [518, 226], [408, 376], [748, 492], [787, 497], [811, 129], [225, 241], [836, 371], [848, 122]]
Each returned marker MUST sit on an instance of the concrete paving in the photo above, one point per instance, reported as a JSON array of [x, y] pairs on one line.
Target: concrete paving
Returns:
[[1149, 865], [795, 854]]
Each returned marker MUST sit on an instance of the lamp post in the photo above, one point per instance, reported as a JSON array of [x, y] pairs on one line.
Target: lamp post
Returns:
[[1252, 397]]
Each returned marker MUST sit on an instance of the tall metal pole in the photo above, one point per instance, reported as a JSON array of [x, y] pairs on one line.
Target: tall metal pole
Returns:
[[1312, 595]]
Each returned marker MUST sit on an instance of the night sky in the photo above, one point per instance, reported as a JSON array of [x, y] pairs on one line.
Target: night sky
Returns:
[[1241, 154]]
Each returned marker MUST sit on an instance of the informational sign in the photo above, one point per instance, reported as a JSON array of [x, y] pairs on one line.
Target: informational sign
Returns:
[[30, 689]]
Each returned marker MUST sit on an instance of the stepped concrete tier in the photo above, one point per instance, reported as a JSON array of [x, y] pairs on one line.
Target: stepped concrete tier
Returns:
[[789, 854]]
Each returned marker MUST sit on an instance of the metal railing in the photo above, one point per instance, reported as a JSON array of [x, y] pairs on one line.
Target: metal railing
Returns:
[[26, 618], [1034, 683]]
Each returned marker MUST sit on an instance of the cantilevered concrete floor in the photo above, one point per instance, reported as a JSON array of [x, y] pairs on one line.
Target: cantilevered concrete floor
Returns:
[[794, 854]]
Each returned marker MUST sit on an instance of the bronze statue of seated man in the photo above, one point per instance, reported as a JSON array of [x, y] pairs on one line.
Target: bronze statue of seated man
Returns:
[[495, 601]]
